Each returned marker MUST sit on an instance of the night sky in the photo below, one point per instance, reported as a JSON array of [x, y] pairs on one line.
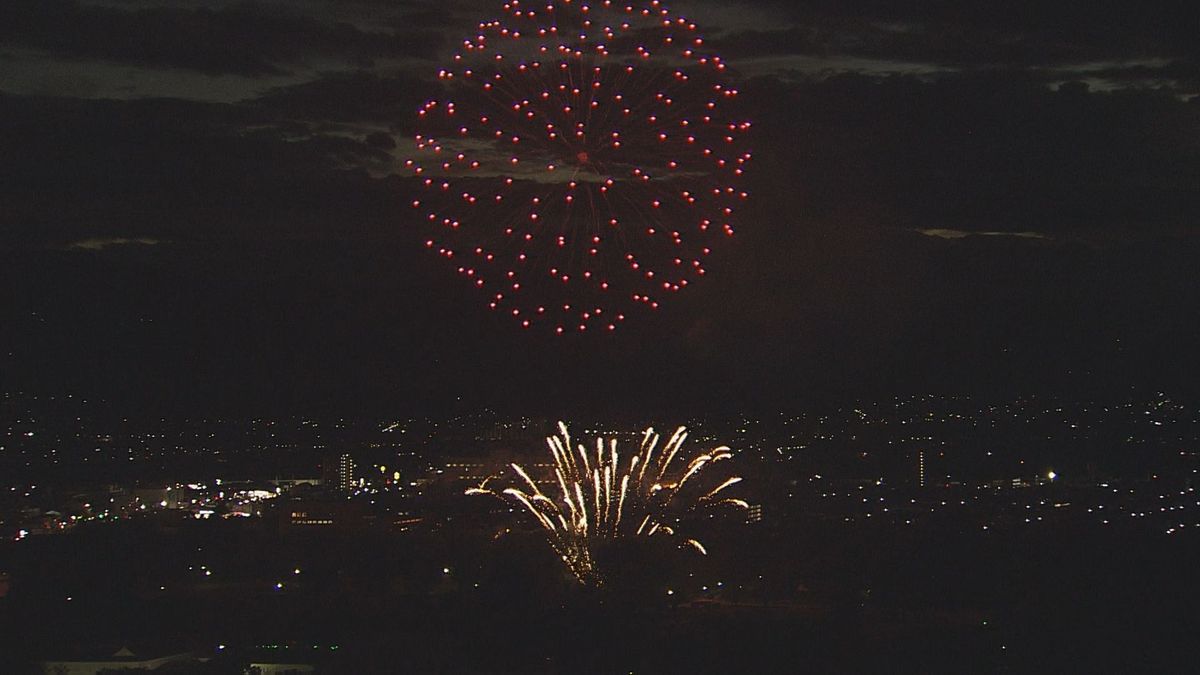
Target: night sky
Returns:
[[201, 209]]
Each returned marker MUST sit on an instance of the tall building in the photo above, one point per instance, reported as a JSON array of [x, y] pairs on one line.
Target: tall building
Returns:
[[345, 472], [921, 468], [754, 513]]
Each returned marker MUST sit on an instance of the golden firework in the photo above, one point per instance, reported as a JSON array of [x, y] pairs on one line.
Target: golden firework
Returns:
[[600, 496]]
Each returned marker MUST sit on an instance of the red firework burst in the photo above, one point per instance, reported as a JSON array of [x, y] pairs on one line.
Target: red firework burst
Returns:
[[582, 165]]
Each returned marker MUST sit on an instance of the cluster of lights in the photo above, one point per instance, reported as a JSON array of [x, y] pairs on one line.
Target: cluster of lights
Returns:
[[583, 165]]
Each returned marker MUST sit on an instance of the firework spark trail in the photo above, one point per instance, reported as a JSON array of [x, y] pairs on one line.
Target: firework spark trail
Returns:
[[600, 501], [722, 486]]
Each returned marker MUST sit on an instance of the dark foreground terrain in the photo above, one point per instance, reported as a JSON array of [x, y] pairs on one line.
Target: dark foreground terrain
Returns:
[[818, 598]]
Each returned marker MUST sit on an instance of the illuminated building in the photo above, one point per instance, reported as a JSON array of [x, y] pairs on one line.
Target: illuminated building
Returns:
[[754, 514], [345, 472], [470, 471], [312, 514], [123, 660], [303, 517]]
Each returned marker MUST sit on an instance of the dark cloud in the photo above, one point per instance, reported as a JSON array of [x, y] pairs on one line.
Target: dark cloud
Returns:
[[980, 35], [983, 152], [454, 15], [99, 244], [1182, 76], [351, 97], [1106, 26], [381, 140], [74, 169], [933, 44], [243, 39]]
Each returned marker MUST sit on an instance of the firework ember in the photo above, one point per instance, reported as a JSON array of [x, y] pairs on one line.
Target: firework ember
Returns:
[[599, 495], [583, 164]]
